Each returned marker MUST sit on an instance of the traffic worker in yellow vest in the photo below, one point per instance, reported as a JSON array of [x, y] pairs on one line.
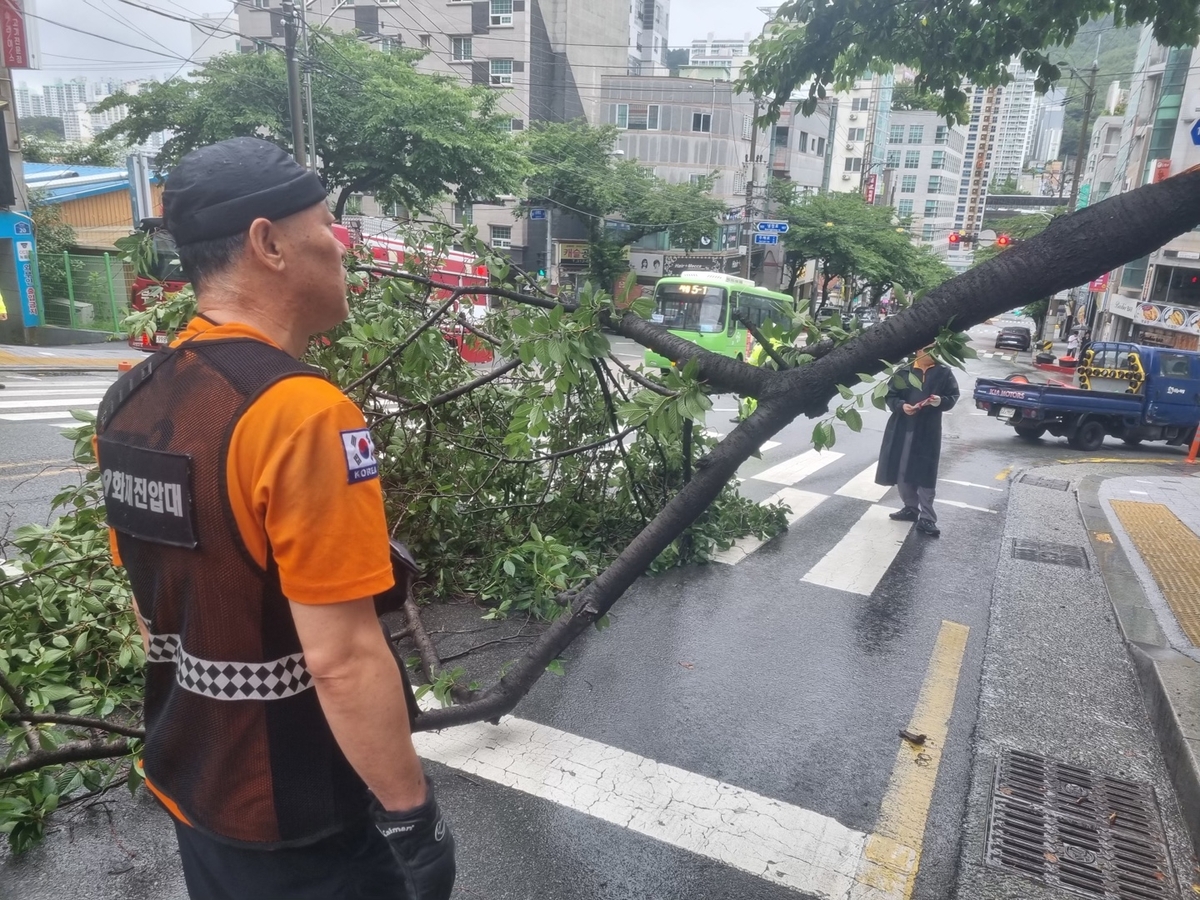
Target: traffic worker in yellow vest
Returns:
[[242, 489]]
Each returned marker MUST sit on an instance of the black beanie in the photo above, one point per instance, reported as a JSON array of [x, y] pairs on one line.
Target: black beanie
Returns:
[[218, 190]]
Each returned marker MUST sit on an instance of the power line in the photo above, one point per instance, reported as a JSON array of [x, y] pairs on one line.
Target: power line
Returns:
[[174, 57]]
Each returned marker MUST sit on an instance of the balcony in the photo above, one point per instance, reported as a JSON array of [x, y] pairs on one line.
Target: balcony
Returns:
[[781, 161]]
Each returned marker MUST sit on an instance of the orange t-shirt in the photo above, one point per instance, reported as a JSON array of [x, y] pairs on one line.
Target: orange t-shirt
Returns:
[[291, 484]]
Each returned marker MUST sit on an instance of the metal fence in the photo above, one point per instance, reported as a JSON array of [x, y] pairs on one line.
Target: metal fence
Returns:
[[88, 291]]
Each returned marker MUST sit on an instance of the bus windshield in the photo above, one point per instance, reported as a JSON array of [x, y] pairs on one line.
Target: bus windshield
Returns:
[[690, 307]]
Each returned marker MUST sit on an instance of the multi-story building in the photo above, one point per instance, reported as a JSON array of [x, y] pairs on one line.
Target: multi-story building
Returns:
[[29, 102], [548, 57], [1100, 170], [859, 133], [727, 53], [923, 165], [1016, 118], [984, 106], [1156, 299], [649, 28], [1046, 140], [59, 100]]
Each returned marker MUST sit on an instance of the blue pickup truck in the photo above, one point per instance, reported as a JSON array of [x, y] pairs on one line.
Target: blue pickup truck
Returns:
[[1127, 391]]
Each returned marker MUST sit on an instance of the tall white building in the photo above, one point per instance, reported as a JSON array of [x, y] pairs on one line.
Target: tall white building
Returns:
[[859, 134], [923, 165], [1015, 122], [651, 18], [1046, 140], [728, 53], [984, 105]]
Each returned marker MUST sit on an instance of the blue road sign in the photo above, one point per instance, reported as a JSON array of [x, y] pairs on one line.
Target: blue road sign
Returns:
[[537, 213], [1196, 133], [772, 227], [766, 239]]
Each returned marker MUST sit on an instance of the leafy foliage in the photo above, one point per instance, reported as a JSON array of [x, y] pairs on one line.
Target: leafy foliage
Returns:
[[38, 148], [813, 46], [419, 137], [54, 236]]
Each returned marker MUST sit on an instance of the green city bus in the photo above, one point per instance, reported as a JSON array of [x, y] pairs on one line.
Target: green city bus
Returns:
[[700, 306]]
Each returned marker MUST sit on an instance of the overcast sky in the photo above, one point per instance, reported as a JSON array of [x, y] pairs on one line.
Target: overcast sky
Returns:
[[69, 54]]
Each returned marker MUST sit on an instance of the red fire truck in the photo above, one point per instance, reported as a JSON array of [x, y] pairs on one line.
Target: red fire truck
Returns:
[[452, 270]]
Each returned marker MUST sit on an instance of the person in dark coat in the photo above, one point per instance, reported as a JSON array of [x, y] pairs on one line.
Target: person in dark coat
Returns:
[[912, 441]]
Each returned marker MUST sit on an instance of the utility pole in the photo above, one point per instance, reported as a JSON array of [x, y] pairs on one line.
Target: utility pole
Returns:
[[308, 103], [1084, 142], [753, 173], [551, 269], [295, 101]]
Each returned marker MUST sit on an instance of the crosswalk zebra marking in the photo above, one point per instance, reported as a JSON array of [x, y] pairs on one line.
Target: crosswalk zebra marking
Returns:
[[858, 562], [863, 487], [792, 470]]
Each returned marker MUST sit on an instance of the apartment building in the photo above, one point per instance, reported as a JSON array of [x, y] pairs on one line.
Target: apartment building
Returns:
[[1100, 170], [649, 23], [726, 53], [923, 164], [984, 106], [548, 57], [1016, 118], [858, 134], [1156, 299]]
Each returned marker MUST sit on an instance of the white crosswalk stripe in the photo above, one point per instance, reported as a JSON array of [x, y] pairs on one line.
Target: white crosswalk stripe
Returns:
[[792, 470], [860, 559], [49, 402], [863, 487]]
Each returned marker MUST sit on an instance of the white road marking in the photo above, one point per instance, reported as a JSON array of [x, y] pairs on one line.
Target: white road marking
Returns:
[[801, 503], [34, 416], [46, 392], [50, 401], [986, 487], [724, 409], [965, 505], [862, 557], [863, 487], [773, 840], [792, 470], [768, 445]]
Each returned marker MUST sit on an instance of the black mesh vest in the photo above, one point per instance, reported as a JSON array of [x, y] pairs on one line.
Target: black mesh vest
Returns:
[[235, 736]]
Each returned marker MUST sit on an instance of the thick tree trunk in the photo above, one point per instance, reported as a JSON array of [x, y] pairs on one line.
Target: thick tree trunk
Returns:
[[1071, 251]]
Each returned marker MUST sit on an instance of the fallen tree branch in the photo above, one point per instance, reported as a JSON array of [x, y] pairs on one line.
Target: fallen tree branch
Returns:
[[430, 664], [638, 378], [32, 738], [461, 319], [73, 751], [503, 640], [768, 347], [476, 290], [76, 721], [407, 342]]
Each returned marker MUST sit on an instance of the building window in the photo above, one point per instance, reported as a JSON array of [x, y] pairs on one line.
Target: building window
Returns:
[[854, 164], [802, 144], [782, 133], [939, 160], [501, 72], [637, 116], [425, 38], [935, 184], [696, 180], [389, 44], [927, 233], [857, 134], [860, 104], [516, 124], [896, 134], [702, 122], [916, 134], [502, 11], [460, 48], [941, 135], [908, 184], [904, 208], [501, 237], [912, 159], [261, 4], [893, 160], [462, 214], [931, 208], [821, 147]]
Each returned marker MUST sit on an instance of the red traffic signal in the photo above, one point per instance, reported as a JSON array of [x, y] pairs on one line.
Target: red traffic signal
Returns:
[[955, 237], [1004, 241]]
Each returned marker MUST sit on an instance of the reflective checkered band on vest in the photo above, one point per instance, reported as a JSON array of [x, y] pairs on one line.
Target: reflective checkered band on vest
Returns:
[[274, 680]]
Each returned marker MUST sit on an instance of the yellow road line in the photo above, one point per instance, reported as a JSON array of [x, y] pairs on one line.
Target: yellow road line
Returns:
[[1003, 474], [1166, 460], [893, 851]]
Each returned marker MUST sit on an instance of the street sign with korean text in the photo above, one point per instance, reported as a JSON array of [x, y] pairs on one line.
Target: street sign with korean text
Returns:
[[766, 238], [772, 227], [537, 213]]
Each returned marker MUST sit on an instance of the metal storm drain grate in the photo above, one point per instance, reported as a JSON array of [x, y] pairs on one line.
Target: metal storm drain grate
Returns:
[[1053, 554], [1054, 484], [1076, 829]]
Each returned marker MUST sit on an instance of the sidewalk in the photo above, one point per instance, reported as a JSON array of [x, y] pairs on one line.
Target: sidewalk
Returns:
[[1145, 535], [68, 358]]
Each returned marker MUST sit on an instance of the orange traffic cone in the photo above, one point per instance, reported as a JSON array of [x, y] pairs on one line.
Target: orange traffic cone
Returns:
[[1195, 448], [124, 365]]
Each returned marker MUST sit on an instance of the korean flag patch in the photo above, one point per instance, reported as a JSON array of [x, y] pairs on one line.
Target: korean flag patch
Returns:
[[361, 463]]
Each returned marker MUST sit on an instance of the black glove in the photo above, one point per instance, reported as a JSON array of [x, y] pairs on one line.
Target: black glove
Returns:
[[422, 845]]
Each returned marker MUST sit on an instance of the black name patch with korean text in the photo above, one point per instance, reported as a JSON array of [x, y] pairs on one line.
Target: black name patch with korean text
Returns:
[[148, 493]]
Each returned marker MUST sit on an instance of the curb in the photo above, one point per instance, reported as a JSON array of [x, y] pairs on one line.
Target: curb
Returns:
[[1170, 681], [60, 369]]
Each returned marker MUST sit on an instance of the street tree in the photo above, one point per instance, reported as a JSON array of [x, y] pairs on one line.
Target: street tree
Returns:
[[36, 148], [863, 246], [381, 126], [813, 47], [575, 170]]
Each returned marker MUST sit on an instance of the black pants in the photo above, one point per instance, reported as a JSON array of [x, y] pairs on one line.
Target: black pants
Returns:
[[354, 865]]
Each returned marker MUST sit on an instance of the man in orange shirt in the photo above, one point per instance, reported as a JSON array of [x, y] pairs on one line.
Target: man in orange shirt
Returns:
[[243, 494]]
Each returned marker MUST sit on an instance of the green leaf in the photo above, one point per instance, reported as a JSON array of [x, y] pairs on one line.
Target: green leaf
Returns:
[[853, 420], [555, 667]]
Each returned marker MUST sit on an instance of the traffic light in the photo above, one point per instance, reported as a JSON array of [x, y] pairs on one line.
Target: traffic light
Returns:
[[955, 239], [1003, 240]]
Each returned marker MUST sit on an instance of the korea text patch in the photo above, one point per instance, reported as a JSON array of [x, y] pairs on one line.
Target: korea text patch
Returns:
[[361, 463]]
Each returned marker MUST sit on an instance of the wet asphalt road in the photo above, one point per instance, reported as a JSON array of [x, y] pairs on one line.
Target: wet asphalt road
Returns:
[[747, 675]]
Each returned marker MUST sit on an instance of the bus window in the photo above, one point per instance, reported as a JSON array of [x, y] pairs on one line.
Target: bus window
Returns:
[[690, 307], [737, 301]]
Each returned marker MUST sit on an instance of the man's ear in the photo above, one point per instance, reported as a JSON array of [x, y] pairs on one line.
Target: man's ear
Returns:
[[262, 244]]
